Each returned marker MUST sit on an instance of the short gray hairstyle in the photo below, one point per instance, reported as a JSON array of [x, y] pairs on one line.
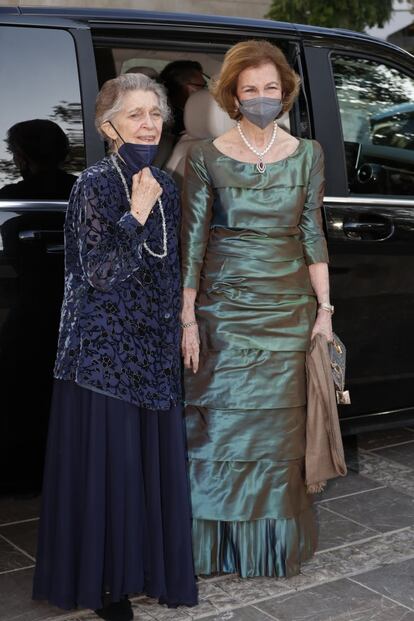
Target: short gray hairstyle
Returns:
[[110, 98]]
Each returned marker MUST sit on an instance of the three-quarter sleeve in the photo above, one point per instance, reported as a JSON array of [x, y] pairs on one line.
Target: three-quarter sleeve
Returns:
[[110, 250], [198, 197], [311, 226]]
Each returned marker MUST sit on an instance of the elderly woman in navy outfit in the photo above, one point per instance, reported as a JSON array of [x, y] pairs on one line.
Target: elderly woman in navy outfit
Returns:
[[115, 517]]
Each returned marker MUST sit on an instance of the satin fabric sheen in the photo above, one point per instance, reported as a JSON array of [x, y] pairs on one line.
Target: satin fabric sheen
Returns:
[[247, 241], [264, 547]]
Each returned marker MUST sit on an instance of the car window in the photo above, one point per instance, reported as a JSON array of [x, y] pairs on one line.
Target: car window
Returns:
[[41, 129], [376, 104], [157, 62], [115, 60]]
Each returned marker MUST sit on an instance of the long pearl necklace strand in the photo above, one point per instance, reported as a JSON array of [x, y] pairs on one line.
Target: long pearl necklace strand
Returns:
[[261, 166], [164, 225]]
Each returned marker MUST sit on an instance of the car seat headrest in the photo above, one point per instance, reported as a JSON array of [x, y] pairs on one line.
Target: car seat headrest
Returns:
[[203, 117]]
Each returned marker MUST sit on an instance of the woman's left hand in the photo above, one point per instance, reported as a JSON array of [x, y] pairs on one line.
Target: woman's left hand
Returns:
[[323, 324]]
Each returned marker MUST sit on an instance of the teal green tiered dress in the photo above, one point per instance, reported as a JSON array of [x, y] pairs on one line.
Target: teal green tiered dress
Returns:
[[247, 241]]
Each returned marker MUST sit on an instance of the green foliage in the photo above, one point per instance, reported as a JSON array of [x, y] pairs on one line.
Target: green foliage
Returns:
[[351, 14]]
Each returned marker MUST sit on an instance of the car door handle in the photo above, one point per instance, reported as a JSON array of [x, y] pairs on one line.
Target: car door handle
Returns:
[[36, 234], [376, 231], [365, 226], [55, 249]]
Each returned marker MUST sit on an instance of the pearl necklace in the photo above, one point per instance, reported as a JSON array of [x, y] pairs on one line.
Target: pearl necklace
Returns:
[[261, 166], [164, 225]]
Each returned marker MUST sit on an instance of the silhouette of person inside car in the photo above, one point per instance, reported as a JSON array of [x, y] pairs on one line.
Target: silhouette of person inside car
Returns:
[[181, 78], [39, 148]]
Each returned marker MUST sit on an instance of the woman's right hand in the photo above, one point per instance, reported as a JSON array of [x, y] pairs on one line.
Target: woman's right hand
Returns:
[[145, 192], [190, 345]]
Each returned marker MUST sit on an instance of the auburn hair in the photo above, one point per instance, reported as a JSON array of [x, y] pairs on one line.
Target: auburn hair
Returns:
[[253, 53]]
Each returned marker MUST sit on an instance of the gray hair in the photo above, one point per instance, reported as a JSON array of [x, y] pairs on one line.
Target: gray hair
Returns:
[[110, 98]]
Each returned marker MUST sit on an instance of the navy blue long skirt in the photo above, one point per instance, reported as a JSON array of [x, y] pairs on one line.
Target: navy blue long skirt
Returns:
[[115, 507]]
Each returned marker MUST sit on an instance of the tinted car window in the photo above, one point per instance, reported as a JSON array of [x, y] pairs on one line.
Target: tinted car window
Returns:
[[395, 127], [152, 59], [41, 131], [376, 104]]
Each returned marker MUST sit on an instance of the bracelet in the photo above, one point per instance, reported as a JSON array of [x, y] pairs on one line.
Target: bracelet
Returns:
[[327, 307], [188, 324]]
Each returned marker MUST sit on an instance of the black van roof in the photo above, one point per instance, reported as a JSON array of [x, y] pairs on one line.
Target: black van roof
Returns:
[[134, 15], [99, 16]]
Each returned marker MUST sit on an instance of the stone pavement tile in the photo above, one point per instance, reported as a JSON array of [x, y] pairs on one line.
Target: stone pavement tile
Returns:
[[10, 558], [342, 600], [213, 598], [403, 454], [23, 535], [381, 509], [87, 615], [16, 603], [389, 473], [325, 566], [17, 508], [79, 615], [248, 613], [138, 615], [247, 590], [147, 607], [355, 558], [336, 530], [395, 581], [84, 616], [342, 486], [217, 577], [378, 439]]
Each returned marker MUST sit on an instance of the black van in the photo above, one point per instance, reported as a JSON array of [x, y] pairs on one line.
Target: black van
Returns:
[[357, 100]]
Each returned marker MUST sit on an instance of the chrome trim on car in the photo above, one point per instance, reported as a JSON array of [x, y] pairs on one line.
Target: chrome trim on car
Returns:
[[366, 200], [30, 205]]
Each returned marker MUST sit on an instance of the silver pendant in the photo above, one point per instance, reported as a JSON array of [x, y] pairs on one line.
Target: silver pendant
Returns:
[[261, 166]]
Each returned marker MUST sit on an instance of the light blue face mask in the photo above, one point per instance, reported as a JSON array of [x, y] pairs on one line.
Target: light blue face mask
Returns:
[[261, 111]]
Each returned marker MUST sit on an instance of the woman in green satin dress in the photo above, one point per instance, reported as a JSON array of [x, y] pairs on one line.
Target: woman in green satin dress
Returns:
[[255, 268]]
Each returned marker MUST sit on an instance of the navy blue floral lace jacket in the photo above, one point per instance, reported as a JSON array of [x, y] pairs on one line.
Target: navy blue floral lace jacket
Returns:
[[119, 329]]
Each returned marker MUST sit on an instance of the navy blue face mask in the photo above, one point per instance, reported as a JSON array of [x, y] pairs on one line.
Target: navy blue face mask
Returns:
[[136, 156]]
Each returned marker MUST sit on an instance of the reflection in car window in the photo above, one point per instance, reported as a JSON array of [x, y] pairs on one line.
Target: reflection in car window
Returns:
[[376, 104], [394, 127], [41, 130]]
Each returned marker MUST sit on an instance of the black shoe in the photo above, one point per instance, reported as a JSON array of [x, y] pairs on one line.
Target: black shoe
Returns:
[[116, 611]]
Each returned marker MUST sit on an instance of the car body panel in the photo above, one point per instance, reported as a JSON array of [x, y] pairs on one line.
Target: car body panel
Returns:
[[372, 266]]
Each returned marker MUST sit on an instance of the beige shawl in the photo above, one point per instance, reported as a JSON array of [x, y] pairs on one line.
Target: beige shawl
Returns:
[[324, 457]]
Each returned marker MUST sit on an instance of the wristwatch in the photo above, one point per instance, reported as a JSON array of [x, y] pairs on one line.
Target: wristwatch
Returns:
[[327, 307]]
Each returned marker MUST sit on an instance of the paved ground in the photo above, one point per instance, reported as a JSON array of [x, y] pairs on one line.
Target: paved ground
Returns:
[[363, 571]]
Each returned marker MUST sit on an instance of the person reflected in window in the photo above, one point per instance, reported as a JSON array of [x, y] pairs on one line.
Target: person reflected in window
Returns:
[[181, 78], [39, 148]]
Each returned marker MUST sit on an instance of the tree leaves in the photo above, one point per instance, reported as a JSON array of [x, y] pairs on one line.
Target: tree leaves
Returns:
[[351, 14]]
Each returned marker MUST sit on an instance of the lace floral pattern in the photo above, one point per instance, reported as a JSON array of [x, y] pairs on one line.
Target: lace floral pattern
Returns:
[[119, 329]]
